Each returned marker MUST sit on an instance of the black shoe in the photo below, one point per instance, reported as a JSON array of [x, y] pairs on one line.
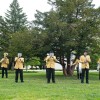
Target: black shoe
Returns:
[[22, 81], [87, 82], [16, 81], [53, 81], [48, 82]]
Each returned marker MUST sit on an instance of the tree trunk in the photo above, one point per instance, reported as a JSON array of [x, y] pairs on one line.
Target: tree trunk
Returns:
[[70, 69]]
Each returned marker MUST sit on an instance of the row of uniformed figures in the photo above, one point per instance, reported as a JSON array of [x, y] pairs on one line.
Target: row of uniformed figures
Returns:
[[50, 64], [82, 66], [84, 60], [18, 66]]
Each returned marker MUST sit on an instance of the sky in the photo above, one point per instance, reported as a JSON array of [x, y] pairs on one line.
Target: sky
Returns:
[[30, 6]]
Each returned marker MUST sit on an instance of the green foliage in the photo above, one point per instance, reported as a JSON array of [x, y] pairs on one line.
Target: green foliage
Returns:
[[70, 25], [21, 42], [34, 61], [14, 21], [15, 18], [94, 58]]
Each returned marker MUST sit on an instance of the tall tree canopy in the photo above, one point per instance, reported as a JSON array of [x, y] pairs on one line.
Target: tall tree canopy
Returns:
[[70, 25], [15, 18], [14, 21]]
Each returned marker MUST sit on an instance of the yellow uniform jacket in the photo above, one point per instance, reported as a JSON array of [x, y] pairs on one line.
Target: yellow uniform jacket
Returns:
[[76, 62], [46, 60], [98, 61], [50, 61], [85, 60], [19, 63], [4, 62]]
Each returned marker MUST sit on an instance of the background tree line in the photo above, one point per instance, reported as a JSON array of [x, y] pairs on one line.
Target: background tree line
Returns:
[[69, 25]]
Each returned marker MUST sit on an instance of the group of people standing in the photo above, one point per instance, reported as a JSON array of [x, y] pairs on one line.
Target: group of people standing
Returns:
[[84, 60], [18, 66], [50, 60]]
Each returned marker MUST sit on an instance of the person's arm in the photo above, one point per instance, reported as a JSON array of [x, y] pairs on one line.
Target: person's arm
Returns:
[[44, 59], [22, 60], [74, 63], [98, 62], [1, 60], [88, 59], [7, 61], [47, 58], [55, 59], [16, 58]]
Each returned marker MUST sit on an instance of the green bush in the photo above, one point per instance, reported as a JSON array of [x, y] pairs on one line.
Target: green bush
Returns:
[[94, 59], [34, 61]]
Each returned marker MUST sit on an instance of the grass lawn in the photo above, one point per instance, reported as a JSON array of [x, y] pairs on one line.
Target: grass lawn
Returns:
[[36, 88]]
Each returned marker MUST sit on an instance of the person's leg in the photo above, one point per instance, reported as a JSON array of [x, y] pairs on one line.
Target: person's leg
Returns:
[[53, 75], [48, 75], [87, 75], [80, 75], [6, 72], [78, 72], [21, 75], [16, 75], [82, 78], [2, 72]]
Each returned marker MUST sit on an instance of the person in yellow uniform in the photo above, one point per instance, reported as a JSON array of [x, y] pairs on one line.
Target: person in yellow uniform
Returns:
[[85, 60], [46, 63], [4, 65], [76, 63], [50, 64], [19, 64], [98, 64]]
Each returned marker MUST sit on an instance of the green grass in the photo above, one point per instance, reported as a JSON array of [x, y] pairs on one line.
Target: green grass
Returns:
[[36, 88]]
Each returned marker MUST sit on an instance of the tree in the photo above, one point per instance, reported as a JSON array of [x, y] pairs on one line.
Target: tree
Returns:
[[15, 18], [71, 25], [14, 21], [21, 42]]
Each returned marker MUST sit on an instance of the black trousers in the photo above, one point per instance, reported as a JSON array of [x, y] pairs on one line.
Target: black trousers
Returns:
[[17, 72], [46, 73], [50, 73], [6, 72], [78, 73], [83, 74]]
